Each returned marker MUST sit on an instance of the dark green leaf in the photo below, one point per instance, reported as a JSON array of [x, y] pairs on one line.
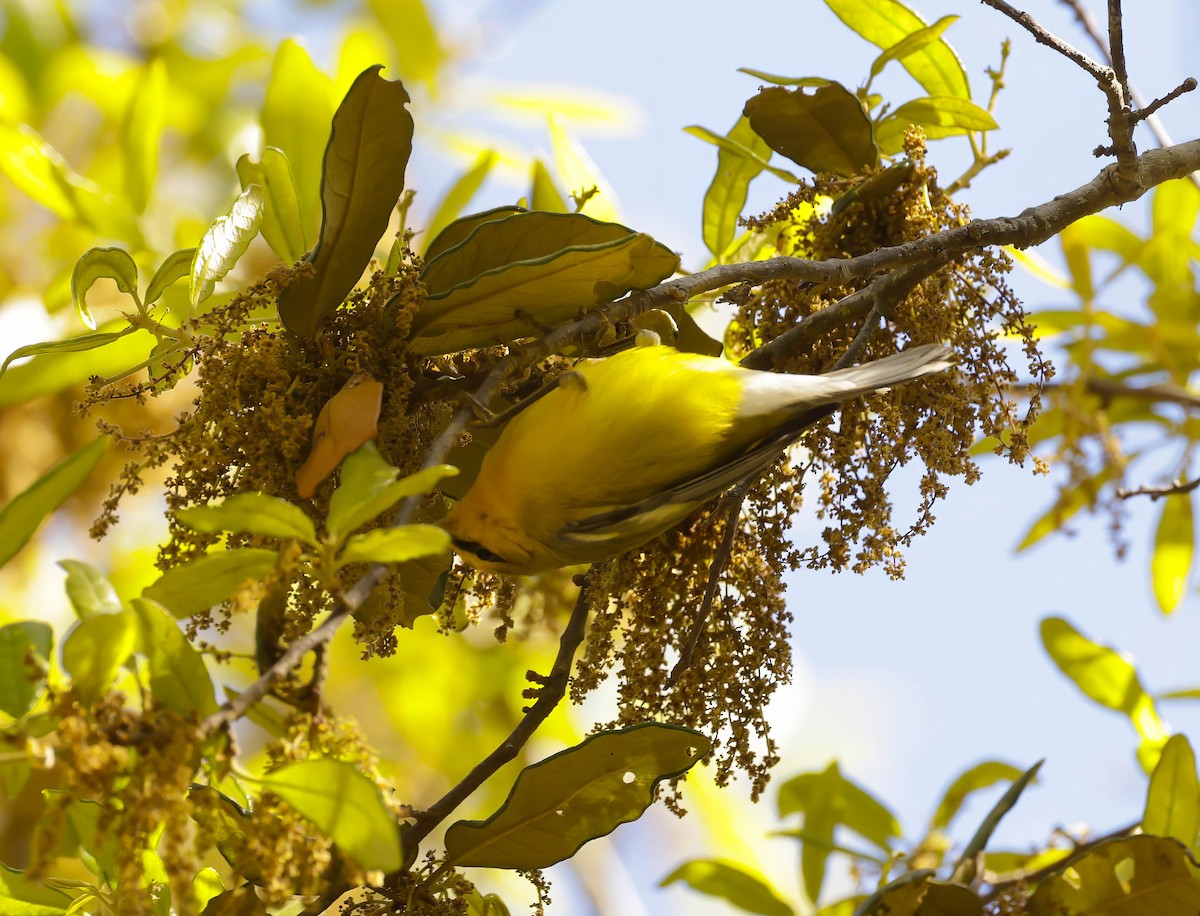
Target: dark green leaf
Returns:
[[981, 776], [282, 224], [824, 132], [458, 231], [461, 193], [730, 881], [17, 690], [95, 649], [742, 150], [726, 194], [141, 132], [206, 582], [225, 242], [179, 680], [29, 508], [345, 805], [178, 264], [1174, 547], [361, 182], [395, 545], [1173, 798], [575, 796], [255, 513], [114, 263]]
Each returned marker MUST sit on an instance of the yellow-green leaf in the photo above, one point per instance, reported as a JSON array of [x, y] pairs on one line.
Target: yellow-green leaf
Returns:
[[544, 194], [29, 508], [981, 776], [810, 82], [824, 132], [176, 266], [885, 22], [580, 175], [1173, 798], [730, 881], [575, 796], [419, 51], [1068, 504], [344, 805], [90, 592], [461, 193], [95, 649], [362, 179], [1106, 234], [255, 513], [1174, 546], [459, 230], [283, 223], [737, 148], [225, 241], [60, 364], [206, 582], [179, 680], [395, 545], [726, 194], [114, 263], [911, 44], [938, 116], [17, 640], [141, 132]]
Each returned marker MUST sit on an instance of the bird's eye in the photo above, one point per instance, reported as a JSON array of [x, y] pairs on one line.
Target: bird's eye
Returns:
[[474, 547]]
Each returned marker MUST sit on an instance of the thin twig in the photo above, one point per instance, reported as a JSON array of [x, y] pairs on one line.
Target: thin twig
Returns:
[[1042, 36], [553, 689], [1178, 488], [1146, 112], [1116, 47], [1158, 394]]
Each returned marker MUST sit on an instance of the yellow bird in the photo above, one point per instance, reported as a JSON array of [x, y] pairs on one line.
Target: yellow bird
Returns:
[[627, 447]]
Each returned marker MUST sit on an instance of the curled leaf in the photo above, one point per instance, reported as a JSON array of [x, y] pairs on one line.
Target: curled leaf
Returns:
[[114, 263], [225, 242]]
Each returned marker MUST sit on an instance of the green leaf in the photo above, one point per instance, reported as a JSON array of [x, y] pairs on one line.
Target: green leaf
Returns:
[[95, 649], [179, 680], [176, 266], [368, 487], [939, 116], [981, 776], [824, 132], [72, 345], [61, 364], [89, 591], [810, 82], [1135, 876], [544, 194], [575, 796], [726, 194], [225, 241], [739, 149], [345, 805], [911, 44], [114, 263], [283, 224], [17, 691], [1173, 798], [526, 269], [141, 132], [17, 890], [418, 49], [29, 508], [884, 23], [295, 119], [255, 513], [395, 545], [1174, 547], [461, 192], [739, 885], [203, 583], [361, 182], [983, 834], [1068, 504], [1106, 234], [459, 230], [205, 885]]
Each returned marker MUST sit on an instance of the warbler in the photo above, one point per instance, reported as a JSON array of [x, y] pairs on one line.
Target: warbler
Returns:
[[625, 448]]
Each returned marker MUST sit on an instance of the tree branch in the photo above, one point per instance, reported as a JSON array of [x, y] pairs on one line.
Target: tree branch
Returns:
[[1178, 488]]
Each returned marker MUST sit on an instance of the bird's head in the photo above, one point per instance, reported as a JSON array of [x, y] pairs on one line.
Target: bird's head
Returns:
[[487, 541]]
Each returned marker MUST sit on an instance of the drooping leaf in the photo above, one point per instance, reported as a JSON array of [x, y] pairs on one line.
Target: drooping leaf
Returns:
[[395, 545], [176, 266], [346, 421], [885, 22], [939, 116], [743, 888], [345, 805], [60, 364], [461, 192], [78, 344], [1173, 798], [114, 263], [179, 680], [89, 590], [981, 776], [254, 513], [1134, 876], [824, 132], [1174, 547], [742, 150], [283, 223], [29, 508], [368, 486], [17, 690], [141, 132], [361, 181], [206, 582], [458, 231], [225, 241], [544, 194], [726, 194], [95, 649], [575, 796]]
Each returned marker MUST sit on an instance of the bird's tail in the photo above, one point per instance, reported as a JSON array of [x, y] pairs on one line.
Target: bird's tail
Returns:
[[905, 366]]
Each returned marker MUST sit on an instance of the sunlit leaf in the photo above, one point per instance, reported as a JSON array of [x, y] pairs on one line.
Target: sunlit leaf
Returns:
[[206, 884], [938, 116], [176, 266], [22, 896], [459, 230], [29, 508], [368, 486], [1156, 881], [885, 22], [89, 591], [1106, 234], [739, 149], [1069, 503], [544, 194], [810, 82], [95, 649], [732, 882], [345, 805], [254, 513], [983, 833], [419, 51], [1174, 547], [142, 130], [580, 175], [981, 776], [461, 193], [204, 583], [225, 242], [911, 44], [361, 181], [17, 640], [114, 263], [395, 545], [726, 194], [575, 796], [282, 223], [60, 364], [179, 680], [824, 132], [1173, 798], [346, 421]]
